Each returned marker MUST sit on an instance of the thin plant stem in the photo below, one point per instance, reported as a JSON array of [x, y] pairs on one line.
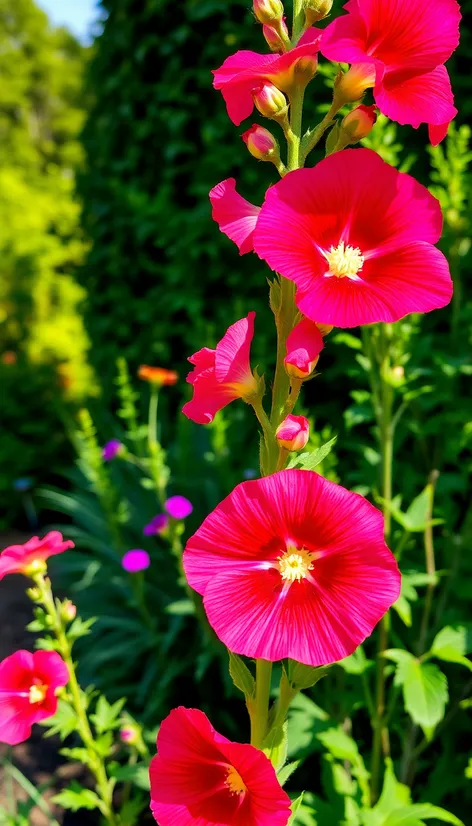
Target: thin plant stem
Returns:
[[313, 137], [104, 785], [298, 21], [152, 422], [260, 716]]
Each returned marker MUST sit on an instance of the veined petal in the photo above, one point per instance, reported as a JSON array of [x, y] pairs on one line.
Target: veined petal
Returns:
[[232, 353], [426, 98], [235, 216]]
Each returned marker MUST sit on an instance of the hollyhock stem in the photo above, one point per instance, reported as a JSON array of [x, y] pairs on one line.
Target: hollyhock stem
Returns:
[[313, 137], [260, 712], [298, 21], [104, 786], [285, 321]]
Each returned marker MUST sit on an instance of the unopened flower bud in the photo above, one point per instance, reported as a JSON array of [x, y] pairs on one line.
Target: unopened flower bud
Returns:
[[270, 101], [293, 433], [34, 594], [350, 86], [277, 37], [304, 345], [130, 734], [316, 10], [261, 143], [397, 375], [268, 11], [68, 610], [358, 124], [37, 566]]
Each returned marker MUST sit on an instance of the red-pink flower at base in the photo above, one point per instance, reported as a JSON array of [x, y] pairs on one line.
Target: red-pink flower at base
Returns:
[[222, 375], [28, 685], [243, 71], [235, 216], [406, 44], [344, 233], [23, 559], [293, 565], [304, 345], [199, 778]]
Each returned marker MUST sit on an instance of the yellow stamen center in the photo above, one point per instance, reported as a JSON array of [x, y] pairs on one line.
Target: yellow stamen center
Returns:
[[344, 260], [294, 564], [37, 693], [234, 782]]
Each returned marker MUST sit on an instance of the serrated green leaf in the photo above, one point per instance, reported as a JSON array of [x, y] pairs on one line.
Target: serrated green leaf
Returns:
[[419, 812], [356, 663], [107, 715], [394, 795], [64, 721], [425, 692], [304, 676], [308, 461], [450, 645], [275, 746], [241, 676], [76, 797], [79, 754], [403, 609], [295, 807], [137, 774], [286, 771]]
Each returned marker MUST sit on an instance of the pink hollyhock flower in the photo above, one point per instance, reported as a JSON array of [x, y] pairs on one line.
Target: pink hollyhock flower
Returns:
[[222, 375], [293, 565], [263, 146], [343, 232], [178, 507], [405, 44], [136, 560], [28, 685], [157, 525], [243, 71], [304, 345], [235, 216], [199, 778], [31, 557], [293, 433]]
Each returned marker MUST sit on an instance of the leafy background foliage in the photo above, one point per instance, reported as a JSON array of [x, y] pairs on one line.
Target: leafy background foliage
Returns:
[[108, 249]]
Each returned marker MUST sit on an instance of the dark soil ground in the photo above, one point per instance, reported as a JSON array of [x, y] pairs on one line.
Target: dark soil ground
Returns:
[[38, 758]]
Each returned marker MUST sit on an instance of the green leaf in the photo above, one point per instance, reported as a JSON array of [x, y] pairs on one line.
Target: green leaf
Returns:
[[304, 676], [450, 645], [241, 676], [340, 745], [356, 663], [284, 773], [308, 461], [295, 807], [64, 721], [80, 628], [275, 746], [76, 797], [394, 795], [131, 810], [79, 754], [425, 692], [181, 608], [137, 774], [107, 715], [418, 812]]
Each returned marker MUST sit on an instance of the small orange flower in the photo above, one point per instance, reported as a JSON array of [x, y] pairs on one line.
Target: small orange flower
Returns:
[[9, 357], [158, 375]]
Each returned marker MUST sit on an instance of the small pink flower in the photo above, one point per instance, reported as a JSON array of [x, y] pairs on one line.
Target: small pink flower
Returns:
[[28, 686], [293, 565], [199, 778], [222, 375], [304, 345], [111, 450], [157, 525], [178, 507], [316, 228], [405, 44], [293, 433], [235, 216], [136, 560], [31, 557], [241, 72]]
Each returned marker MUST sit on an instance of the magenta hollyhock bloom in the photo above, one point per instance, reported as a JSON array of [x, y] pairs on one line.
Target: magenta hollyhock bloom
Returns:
[[293, 565], [111, 450], [293, 433], [157, 525], [199, 778], [404, 46], [178, 507], [235, 216], [304, 345], [28, 685], [222, 375], [244, 71], [344, 233], [136, 560], [31, 557]]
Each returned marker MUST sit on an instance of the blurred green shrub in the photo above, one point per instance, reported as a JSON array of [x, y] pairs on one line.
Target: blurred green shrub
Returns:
[[42, 338]]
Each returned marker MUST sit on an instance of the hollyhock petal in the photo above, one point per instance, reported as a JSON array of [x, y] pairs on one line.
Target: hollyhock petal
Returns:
[[232, 352], [235, 216], [204, 359], [304, 345], [16, 558], [425, 98], [419, 35], [189, 778], [345, 581], [312, 213], [345, 40], [437, 133], [241, 72], [209, 396]]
